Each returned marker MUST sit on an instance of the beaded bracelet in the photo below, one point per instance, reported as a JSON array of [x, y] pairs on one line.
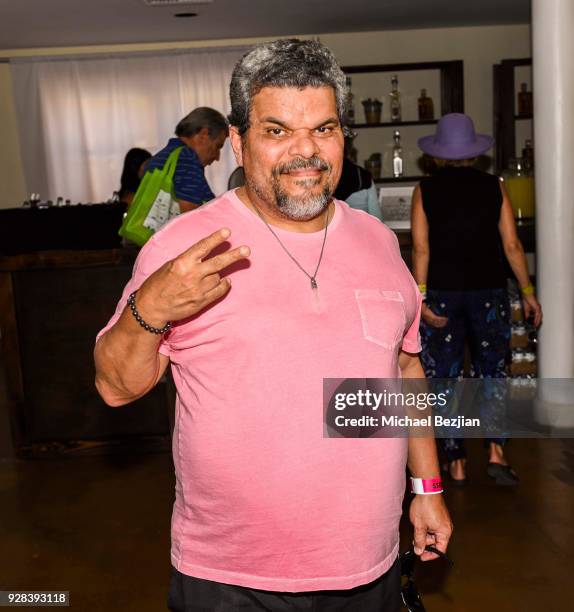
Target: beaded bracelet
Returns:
[[146, 326]]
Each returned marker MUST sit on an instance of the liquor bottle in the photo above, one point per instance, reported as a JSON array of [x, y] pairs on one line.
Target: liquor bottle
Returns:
[[395, 96], [374, 165], [350, 104], [524, 100], [528, 154], [426, 107], [398, 165]]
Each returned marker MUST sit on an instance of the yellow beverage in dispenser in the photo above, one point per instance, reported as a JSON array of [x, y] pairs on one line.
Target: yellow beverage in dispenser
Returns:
[[521, 192]]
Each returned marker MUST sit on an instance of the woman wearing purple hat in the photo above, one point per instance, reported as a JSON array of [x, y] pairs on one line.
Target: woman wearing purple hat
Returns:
[[463, 227]]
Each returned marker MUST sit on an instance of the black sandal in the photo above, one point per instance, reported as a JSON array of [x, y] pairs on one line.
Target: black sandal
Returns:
[[503, 475], [457, 482]]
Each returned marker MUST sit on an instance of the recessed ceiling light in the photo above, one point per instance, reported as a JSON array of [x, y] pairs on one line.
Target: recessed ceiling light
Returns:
[[182, 15], [175, 2]]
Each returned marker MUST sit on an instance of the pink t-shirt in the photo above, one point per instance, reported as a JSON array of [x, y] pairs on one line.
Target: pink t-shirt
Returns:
[[263, 500]]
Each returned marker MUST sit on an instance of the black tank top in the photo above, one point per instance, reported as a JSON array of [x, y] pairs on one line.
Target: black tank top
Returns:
[[462, 206]]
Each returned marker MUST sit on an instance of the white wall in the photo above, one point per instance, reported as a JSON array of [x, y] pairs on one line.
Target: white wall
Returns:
[[479, 47], [12, 188]]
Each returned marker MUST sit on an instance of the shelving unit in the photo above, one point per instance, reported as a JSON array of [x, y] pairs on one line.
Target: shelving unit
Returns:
[[451, 77], [400, 179], [504, 107], [505, 122], [393, 124]]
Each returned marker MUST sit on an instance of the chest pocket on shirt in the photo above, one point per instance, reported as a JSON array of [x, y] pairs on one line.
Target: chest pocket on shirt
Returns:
[[382, 316]]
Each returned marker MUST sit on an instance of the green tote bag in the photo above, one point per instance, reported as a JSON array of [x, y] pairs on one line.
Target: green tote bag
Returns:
[[153, 204]]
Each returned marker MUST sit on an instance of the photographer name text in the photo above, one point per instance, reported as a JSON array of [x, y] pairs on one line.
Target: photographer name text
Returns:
[[406, 421]]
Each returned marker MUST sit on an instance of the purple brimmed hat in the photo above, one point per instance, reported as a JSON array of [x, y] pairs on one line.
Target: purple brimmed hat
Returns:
[[455, 138]]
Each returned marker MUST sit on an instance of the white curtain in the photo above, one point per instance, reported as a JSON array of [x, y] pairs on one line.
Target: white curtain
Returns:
[[78, 117]]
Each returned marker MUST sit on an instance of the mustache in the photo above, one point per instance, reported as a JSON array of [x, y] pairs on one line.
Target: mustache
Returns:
[[302, 164]]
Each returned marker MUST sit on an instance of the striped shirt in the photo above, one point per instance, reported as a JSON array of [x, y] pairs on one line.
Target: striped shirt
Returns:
[[189, 182]]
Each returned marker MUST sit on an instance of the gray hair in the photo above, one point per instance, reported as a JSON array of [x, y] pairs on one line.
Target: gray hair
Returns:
[[202, 117], [283, 63]]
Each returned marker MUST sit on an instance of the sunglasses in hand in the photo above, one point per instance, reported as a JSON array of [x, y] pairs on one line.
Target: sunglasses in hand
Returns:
[[409, 591]]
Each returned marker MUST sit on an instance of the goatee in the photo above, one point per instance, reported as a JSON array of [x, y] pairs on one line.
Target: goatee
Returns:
[[298, 208]]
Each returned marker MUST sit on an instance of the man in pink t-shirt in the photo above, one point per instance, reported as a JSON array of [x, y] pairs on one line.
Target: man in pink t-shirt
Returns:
[[254, 299]]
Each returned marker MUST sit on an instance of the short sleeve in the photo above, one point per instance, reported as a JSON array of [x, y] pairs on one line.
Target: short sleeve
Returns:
[[189, 182], [151, 257], [412, 297], [412, 338]]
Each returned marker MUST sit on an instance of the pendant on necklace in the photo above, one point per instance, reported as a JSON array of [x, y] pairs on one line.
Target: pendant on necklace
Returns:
[[313, 283], [316, 299]]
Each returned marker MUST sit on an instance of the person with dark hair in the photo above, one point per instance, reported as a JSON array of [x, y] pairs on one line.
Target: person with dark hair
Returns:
[[463, 227], [270, 513], [133, 170], [201, 134]]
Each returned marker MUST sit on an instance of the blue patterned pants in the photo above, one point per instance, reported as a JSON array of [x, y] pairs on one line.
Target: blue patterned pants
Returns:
[[480, 318]]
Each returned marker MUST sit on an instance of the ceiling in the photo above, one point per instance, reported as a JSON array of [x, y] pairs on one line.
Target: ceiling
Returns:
[[56, 23]]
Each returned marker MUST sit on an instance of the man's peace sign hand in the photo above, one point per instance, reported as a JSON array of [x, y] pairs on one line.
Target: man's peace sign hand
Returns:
[[187, 284]]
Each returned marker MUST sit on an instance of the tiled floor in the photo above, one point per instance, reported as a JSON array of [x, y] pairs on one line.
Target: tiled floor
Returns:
[[98, 526]]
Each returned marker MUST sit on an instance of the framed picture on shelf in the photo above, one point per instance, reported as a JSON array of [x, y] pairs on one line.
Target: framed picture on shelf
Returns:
[[395, 205]]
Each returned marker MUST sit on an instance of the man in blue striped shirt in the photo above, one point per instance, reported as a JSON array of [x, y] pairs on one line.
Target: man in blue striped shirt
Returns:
[[203, 132]]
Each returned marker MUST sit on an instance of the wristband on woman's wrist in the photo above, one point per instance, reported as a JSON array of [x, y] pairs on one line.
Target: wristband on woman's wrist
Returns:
[[426, 486], [138, 318], [528, 290], [423, 289]]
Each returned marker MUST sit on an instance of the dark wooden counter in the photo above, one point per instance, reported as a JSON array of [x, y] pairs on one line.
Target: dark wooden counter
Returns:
[[52, 304], [81, 227]]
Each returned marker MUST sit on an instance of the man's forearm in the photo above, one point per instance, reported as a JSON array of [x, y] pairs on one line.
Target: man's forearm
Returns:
[[127, 361], [428, 513], [423, 458]]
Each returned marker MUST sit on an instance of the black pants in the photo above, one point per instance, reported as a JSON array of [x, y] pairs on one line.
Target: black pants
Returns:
[[189, 594]]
